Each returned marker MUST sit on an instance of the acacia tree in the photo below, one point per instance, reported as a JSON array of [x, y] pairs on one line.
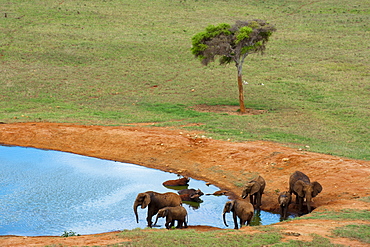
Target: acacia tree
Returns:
[[232, 43]]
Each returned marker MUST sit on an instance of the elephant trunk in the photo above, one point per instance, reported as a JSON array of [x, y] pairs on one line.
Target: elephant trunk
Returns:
[[308, 202], [244, 194], [156, 219], [224, 218], [135, 211], [309, 207]]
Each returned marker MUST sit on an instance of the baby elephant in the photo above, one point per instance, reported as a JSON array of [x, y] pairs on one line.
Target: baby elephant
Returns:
[[284, 199], [241, 209], [178, 213]]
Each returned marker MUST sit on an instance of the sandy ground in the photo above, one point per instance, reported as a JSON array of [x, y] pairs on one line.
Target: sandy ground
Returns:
[[224, 164]]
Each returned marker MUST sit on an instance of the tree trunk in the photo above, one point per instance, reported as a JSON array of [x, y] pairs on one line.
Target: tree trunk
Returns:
[[239, 67], [241, 94]]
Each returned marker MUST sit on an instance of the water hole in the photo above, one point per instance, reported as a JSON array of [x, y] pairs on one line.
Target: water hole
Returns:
[[45, 192]]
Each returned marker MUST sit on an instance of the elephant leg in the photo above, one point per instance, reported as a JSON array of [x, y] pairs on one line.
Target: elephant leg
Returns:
[[286, 212], [168, 224], [242, 222], [300, 203], [282, 212], [149, 220], [251, 199], [179, 224], [235, 221], [185, 224], [258, 200]]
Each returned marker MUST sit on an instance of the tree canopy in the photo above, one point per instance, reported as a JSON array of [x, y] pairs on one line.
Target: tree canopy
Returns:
[[232, 43]]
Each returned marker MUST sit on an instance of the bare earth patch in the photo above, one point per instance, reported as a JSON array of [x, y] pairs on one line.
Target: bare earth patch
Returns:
[[227, 109], [224, 164]]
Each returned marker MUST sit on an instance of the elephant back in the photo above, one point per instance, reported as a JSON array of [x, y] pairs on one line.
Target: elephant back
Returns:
[[168, 199], [262, 182], [179, 212], [244, 206], [297, 175]]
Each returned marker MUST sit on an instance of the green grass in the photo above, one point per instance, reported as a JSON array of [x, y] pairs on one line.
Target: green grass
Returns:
[[198, 238], [118, 62], [345, 214], [268, 236], [318, 241], [359, 232], [365, 199]]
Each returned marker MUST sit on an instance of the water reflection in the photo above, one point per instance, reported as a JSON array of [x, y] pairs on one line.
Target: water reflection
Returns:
[[49, 192]]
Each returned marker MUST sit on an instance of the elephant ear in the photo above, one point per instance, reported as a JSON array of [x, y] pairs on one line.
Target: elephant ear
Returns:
[[229, 206], [165, 212], [232, 205], [317, 188], [298, 188], [255, 188], [194, 196], [146, 200]]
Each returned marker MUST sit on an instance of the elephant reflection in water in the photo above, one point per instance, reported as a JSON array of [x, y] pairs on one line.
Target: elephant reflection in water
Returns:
[[256, 220]]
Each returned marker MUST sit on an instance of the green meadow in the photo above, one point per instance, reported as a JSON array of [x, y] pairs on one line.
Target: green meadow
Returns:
[[117, 62]]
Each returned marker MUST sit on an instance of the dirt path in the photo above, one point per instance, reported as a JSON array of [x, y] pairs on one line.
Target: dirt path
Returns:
[[224, 164]]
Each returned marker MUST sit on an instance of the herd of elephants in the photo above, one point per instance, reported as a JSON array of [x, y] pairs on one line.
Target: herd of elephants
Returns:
[[169, 205]]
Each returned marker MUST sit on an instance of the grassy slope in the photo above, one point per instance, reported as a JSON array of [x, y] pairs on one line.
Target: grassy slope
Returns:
[[117, 62]]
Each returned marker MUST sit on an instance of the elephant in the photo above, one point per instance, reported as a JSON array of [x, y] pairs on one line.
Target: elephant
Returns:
[[190, 198], [254, 189], [191, 192], [218, 193], [284, 199], [155, 201], [178, 213], [191, 195], [240, 208], [300, 185], [177, 182]]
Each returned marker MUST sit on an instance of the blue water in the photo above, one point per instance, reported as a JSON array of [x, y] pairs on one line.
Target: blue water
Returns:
[[48, 192]]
